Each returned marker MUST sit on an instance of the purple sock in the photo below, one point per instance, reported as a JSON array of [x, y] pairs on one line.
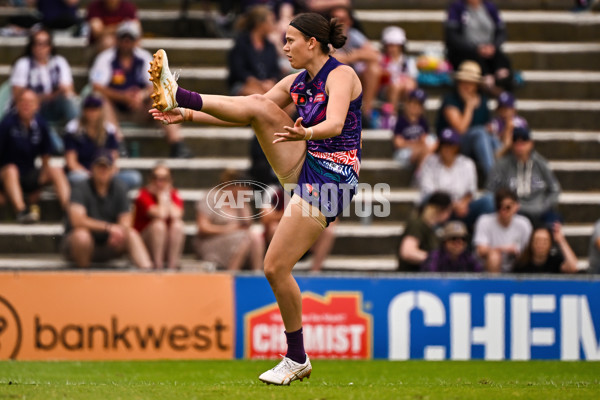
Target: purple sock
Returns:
[[187, 99], [295, 342]]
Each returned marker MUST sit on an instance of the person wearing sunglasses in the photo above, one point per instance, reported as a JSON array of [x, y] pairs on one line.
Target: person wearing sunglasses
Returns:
[[48, 74], [501, 237], [159, 219], [453, 254]]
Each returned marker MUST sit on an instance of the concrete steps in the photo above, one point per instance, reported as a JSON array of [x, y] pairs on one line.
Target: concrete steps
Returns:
[[575, 207], [563, 55], [351, 239]]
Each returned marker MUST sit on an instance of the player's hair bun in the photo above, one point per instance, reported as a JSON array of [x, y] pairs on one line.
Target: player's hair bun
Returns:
[[336, 34]]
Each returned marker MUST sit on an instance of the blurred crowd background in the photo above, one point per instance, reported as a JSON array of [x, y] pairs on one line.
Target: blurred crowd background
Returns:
[[443, 119]]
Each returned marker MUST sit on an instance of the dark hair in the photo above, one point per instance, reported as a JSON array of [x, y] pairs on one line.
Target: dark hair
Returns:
[[504, 193], [326, 32], [252, 18], [439, 199], [32, 35], [527, 256]]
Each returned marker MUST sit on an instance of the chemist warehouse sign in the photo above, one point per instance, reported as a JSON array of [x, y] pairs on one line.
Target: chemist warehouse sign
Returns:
[[434, 319]]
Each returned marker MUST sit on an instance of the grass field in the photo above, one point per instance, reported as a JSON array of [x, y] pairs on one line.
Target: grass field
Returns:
[[371, 380]]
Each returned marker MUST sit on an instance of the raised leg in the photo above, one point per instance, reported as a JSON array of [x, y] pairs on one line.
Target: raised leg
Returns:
[[155, 238]]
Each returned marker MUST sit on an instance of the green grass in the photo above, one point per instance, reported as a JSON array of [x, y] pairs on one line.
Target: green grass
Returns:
[[371, 380]]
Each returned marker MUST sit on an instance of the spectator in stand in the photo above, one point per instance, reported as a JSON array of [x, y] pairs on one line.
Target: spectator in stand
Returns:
[[399, 72], [466, 111], [548, 252], [58, 14], [419, 237], [526, 172], [594, 252], [48, 74], [501, 127], [412, 142], [363, 57], [475, 31], [455, 174], [105, 17], [158, 218], [453, 255], [321, 6], [24, 136], [98, 227], [120, 75], [584, 5], [253, 61], [85, 136], [224, 234], [283, 12], [501, 237]]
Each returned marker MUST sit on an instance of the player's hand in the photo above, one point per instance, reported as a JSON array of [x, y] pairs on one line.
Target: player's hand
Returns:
[[294, 133], [116, 236], [167, 118]]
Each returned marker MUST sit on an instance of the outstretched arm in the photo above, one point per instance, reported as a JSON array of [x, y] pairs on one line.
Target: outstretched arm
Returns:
[[342, 86]]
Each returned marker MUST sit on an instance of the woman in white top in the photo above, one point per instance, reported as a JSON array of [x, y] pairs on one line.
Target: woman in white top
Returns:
[[455, 174], [47, 74]]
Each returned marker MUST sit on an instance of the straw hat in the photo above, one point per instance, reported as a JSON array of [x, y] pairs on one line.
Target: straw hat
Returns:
[[468, 71]]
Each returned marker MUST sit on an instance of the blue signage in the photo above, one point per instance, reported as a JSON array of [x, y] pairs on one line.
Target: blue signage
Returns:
[[475, 317]]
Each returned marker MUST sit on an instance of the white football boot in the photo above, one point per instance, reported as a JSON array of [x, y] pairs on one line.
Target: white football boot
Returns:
[[287, 371], [165, 85]]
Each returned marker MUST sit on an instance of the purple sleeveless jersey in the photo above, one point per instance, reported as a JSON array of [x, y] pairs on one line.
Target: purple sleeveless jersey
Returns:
[[332, 162]]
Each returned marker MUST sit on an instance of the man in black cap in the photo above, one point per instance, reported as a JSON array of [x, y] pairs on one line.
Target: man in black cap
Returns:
[[527, 173], [99, 219]]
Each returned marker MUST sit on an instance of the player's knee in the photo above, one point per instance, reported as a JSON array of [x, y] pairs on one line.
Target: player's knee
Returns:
[[272, 269], [81, 239]]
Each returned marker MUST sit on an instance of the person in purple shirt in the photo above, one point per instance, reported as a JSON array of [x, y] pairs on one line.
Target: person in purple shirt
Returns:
[[24, 136], [318, 155], [475, 31], [453, 254], [412, 142]]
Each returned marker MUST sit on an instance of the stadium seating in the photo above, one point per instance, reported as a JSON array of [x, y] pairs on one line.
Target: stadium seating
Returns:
[[557, 52]]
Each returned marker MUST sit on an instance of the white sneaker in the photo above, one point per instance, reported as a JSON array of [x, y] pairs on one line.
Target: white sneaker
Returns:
[[287, 371], [165, 85]]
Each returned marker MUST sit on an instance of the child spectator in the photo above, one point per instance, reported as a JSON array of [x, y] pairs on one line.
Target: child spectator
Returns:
[[48, 74], [412, 142], [502, 236], [419, 237], [527, 173], [548, 252], [453, 254], [399, 72], [158, 218], [24, 136], [501, 126], [120, 75], [85, 136], [105, 17], [98, 227]]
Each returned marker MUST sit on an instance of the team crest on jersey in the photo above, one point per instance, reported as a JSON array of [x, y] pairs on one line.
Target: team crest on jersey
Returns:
[[299, 99]]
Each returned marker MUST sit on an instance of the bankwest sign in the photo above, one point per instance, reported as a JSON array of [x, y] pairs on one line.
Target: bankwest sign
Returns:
[[334, 326], [116, 315]]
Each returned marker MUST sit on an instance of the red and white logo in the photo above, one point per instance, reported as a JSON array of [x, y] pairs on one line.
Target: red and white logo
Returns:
[[319, 98], [334, 326]]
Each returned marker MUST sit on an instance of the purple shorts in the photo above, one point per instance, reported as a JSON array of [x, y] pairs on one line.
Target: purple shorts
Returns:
[[326, 184]]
